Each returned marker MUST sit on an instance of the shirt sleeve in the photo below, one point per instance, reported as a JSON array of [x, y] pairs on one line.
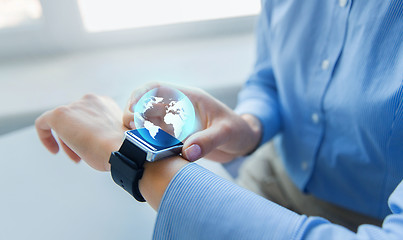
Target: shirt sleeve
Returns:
[[200, 205], [259, 94]]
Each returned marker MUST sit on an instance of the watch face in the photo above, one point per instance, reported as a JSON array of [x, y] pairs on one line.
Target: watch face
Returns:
[[156, 142]]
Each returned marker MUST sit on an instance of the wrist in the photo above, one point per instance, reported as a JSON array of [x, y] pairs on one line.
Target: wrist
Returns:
[[110, 145], [156, 178], [252, 133]]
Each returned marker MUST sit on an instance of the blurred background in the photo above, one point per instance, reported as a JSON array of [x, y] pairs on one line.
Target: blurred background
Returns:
[[54, 51]]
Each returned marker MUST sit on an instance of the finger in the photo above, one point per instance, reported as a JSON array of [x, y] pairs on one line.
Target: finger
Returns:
[[194, 94], [128, 117], [138, 93], [203, 142], [44, 131], [128, 120], [72, 155]]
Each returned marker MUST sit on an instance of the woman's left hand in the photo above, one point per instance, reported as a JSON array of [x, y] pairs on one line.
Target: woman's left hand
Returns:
[[88, 129]]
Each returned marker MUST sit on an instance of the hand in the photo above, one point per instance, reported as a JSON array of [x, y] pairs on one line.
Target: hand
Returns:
[[224, 134], [88, 129]]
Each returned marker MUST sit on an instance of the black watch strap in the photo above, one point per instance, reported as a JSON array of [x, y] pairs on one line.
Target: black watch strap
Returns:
[[127, 168]]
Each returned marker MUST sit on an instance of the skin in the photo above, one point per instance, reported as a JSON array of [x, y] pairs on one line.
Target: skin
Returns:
[[224, 134], [92, 127]]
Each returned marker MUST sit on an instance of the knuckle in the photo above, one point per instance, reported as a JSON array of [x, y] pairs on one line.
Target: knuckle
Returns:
[[89, 96], [201, 91], [38, 121], [205, 144], [149, 85], [107, 98], [60, 111], [153, 84], [197, 92], [226, 128], [197, 95], [127, 116]]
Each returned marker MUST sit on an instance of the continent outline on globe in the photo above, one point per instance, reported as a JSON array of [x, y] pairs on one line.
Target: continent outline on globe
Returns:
[[173, 114]]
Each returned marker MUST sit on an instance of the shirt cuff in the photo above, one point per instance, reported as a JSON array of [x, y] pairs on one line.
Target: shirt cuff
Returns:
[[200, 205], [263, 105]]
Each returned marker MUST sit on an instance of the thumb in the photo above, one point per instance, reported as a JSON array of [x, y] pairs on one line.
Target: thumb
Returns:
[[201, 143]]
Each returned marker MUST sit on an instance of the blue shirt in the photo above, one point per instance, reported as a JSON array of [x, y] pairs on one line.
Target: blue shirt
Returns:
[[328, 78], [200, 205]]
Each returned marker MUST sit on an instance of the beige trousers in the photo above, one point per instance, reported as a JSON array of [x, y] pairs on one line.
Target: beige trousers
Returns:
[[264, 174]]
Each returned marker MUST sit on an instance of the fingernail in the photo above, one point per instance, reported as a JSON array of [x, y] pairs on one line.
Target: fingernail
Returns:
[[131, 124], [193, 152]]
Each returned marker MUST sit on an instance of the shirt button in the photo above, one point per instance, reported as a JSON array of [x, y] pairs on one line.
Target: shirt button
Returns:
[[315, 118], [325, 64], [342, 3], [304, 165]]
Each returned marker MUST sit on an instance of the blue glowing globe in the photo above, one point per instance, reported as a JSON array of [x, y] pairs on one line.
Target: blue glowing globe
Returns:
[[166, 109]]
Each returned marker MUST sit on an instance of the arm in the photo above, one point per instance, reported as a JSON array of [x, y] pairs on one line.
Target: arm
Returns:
[[191, 201], [259, 95], [200, 205]]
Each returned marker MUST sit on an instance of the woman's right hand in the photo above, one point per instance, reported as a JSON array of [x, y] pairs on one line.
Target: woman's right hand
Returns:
[[223, 135]]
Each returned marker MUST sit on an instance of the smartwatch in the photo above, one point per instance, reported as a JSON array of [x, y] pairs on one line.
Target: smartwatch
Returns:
[[138, 147]]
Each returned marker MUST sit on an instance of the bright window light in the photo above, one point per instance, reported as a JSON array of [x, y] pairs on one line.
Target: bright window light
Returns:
[[109, 15], [15, 13]]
